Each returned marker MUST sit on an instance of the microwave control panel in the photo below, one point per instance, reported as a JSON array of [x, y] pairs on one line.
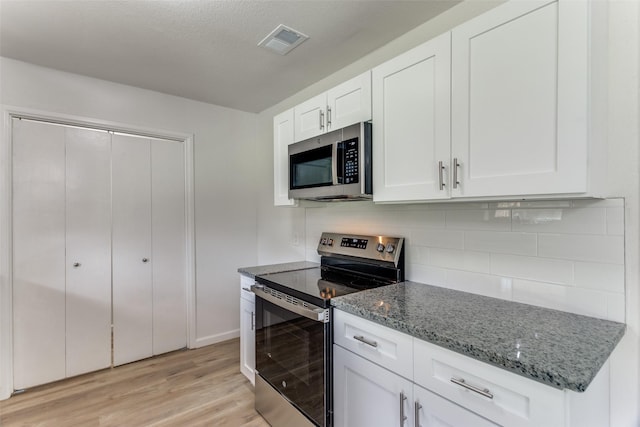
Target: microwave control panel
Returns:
[[351, 172]]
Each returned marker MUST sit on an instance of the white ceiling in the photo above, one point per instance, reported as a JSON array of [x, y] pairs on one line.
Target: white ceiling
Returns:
[[205, 50]]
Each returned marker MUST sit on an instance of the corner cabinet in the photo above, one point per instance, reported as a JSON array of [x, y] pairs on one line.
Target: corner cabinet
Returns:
[[282, 137], [343, 105], [383, 377], [411, 123], [520, 100], [247, 329]]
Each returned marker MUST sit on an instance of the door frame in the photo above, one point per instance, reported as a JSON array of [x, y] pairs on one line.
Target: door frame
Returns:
[[6, 224]]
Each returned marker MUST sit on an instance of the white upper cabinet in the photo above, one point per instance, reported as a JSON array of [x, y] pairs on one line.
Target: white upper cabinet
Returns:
[[520, 100], [282, 137], [411, 124], [345, 104]]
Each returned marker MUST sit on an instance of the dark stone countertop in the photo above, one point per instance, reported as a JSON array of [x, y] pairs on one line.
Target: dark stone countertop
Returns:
[[276, 268], [557, 348]]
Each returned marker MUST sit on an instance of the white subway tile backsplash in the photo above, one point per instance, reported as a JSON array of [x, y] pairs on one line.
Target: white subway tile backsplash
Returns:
[[598, 203], [459, 260], [424, 274], [603, 249], [479, 219], [561, 254], [557, 220], [448, 239], [615, 221], [616, 308], [605, 277], [580, 301], [532, 268], [501, 242], [478, 283]]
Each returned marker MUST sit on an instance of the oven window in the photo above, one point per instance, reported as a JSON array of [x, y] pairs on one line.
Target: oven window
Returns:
[[290, 355], [311, 168]]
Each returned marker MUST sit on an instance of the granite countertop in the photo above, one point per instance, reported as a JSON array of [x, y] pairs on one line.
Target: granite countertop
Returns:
[[276, 268], [557, 348]]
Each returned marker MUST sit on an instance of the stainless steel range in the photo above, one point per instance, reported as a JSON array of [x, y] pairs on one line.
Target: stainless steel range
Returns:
[[293, 324]]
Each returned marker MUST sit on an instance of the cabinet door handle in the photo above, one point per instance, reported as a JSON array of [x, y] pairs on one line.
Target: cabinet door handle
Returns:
[[441, 175], [76, 264], [328, 116], [253, 320], [321, 119], [481, 391], [416, 414], [403, 417], [145, 259], [455, 172], [362, 339]]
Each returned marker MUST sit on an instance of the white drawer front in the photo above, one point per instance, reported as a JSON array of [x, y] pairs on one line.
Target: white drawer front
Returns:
[[494, 393], [379, 344], [245, 286]]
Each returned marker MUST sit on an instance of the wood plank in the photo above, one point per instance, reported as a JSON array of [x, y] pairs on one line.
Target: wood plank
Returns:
[[201, 387]]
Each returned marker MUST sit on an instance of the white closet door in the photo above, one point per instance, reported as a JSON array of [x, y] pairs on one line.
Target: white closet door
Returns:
[[132, 288], [168, 246], [88, 260], [38, 253]]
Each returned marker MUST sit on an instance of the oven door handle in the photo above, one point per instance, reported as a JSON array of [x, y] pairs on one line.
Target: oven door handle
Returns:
[[312, 312]]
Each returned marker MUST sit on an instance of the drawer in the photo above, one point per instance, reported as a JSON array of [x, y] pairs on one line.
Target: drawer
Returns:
[[500, 396], [245, 286], [379, 344]]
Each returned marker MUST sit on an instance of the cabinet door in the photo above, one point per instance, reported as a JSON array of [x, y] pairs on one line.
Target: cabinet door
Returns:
[[38, 253], [282, 137], [432, 410], [367, 395], [310, 118], [247, 339], [349, 102], [411, 124], [132, 287], [519, 100], [169, 246], [88, 251]]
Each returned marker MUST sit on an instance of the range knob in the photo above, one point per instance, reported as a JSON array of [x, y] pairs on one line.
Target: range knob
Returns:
[[380, 247], [390, 248]]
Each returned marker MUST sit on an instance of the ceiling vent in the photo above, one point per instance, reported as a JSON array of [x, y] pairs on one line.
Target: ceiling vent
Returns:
[[283, 39]]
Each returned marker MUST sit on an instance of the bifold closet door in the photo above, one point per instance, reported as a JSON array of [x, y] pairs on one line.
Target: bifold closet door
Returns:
[[38, 253], [131, 258], [88, 258], [149, 248], [169, 247], [61, 251]]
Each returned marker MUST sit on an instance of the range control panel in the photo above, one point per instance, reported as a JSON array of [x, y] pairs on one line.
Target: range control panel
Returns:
[[378, 248]]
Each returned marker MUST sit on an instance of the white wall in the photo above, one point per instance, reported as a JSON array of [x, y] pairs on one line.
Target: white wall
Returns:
[[580, 256], [224, 146]]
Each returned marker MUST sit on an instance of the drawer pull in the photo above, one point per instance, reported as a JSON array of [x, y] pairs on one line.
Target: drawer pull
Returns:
[[366, 341], [481, 391]]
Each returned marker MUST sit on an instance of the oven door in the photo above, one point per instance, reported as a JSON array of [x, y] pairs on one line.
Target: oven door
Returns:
[[292, 354]]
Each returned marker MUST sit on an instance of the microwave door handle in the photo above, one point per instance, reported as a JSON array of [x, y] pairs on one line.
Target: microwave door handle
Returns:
[[335, 175], [338, 163]]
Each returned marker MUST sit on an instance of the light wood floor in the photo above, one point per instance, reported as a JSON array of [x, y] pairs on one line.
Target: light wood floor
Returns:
[[202, 387]]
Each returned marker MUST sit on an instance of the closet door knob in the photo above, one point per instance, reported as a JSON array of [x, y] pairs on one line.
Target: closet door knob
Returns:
[[76, 264], [145, 259]]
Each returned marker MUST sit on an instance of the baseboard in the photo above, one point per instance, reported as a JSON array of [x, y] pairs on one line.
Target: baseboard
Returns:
[[212, 339]]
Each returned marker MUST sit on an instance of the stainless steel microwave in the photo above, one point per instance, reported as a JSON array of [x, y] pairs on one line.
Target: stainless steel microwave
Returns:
[[334, 166]]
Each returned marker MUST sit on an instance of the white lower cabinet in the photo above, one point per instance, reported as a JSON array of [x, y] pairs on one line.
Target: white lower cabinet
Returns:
[[368, 395], [427, 386], [247, 329]]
